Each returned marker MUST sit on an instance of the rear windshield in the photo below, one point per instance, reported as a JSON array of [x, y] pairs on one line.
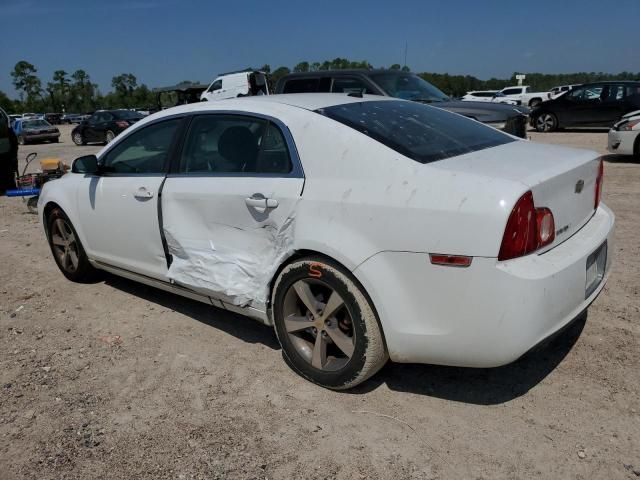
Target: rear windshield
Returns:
[[420, 132], [128, 115], [35, 124]]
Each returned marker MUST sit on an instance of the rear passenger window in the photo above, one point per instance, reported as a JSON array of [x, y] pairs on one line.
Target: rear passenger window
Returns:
[[234, 144], [348, 85], [301, 85]]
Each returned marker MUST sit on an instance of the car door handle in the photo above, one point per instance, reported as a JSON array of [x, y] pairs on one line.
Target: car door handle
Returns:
[[261, 204], [142, 193]]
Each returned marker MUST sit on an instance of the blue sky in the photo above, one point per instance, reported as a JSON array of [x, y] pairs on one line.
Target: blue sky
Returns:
[[166, 41]]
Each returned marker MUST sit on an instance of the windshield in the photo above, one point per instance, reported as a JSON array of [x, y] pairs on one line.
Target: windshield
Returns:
[[128, 115], [35, 124], [408, 87], [420, 132]]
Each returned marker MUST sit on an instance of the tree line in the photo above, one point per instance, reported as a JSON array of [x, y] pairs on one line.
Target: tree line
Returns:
[[75, 92]]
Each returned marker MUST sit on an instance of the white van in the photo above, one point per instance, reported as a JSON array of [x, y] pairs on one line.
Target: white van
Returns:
[[236, 84]]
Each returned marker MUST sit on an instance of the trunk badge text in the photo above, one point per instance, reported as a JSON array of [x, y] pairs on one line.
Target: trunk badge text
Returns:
[[579, 186]]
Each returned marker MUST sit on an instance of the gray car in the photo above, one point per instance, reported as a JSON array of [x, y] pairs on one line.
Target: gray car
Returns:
[[407, 86]]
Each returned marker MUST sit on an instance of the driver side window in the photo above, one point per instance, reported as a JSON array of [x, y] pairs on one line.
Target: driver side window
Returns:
[[217, 85], [144, 151]]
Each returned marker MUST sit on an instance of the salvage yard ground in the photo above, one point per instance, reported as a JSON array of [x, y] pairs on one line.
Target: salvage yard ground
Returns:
[[117, 380]]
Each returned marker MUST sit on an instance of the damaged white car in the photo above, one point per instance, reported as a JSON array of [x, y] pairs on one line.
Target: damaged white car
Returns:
[[362, 229]]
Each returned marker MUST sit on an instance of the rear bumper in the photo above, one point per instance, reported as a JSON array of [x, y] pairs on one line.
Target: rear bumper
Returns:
[[621, 142], [490, 313], [517, 125], [41, 136]]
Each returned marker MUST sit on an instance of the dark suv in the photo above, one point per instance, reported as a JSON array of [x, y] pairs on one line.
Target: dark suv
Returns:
[[407, 86], [592, 105]]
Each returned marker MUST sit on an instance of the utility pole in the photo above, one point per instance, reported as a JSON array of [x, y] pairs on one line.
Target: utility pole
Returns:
[[406, 47]]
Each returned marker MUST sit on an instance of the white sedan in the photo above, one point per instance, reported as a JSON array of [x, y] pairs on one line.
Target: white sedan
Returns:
[[361, 228], [624, 136]]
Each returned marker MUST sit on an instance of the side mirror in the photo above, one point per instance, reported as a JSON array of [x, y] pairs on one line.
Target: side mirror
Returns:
[[87, 165]]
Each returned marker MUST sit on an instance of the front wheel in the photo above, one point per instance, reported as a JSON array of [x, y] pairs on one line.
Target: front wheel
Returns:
[[109, 136], [78, 139], [326, 325], [546, 122], [67, 250], [21, 140]]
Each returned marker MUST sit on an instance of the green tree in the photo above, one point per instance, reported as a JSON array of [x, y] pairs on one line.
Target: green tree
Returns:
[[266, 68], [7, 104], [124, 86], [27, 83], [279, 73], [395, 66], [301, 67], [82, 93]]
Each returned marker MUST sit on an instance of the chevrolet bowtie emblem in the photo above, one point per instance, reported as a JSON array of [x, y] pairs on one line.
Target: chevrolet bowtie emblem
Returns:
[[579, 186]]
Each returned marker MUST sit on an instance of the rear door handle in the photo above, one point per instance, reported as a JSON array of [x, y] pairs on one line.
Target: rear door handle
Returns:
[[261, 204], [143, 194]]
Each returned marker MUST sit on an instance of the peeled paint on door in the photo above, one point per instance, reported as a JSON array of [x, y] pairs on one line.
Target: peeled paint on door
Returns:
[[242, 274]]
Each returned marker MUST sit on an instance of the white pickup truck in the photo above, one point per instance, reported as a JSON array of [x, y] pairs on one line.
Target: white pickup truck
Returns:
[[524, 95]]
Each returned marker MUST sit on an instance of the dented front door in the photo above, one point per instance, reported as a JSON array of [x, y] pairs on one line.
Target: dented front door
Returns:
[[226, 234], [228, 215]]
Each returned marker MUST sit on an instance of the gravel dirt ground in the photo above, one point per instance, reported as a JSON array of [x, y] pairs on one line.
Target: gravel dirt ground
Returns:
[[117, 380]]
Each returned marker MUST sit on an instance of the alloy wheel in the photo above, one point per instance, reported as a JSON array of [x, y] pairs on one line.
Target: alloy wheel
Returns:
[[546, 122], [319, 324], [77, 138], [65, 246], [109, 136]]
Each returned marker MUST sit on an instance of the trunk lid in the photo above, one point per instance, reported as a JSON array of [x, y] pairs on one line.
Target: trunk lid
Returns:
[[562, 179]]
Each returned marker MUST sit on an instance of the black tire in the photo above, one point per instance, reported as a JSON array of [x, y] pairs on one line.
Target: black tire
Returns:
[[83, 271], [546, 122], [78, 138], [636, 148], [355, 316], [535, 102], [56, 140], [109, 136], [21, 140]]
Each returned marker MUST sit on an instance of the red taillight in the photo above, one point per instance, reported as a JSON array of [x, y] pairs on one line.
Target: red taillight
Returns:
[[599, 180], [450, 260], [122, 124], [528, 229]]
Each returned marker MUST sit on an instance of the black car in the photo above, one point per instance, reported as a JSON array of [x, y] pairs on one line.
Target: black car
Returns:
[[407, 86], [8, 154], [103, 126], [598, 104]]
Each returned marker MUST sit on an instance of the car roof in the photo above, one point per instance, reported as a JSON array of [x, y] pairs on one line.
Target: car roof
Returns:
[[611, 82], [350, 71], [307, 101]]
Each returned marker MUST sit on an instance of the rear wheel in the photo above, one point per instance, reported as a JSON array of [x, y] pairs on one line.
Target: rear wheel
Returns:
[[535, 102], [636, 148], [67, 249], [78, 139], [546, 122], [109, 136], [21, 140], [326, 325]]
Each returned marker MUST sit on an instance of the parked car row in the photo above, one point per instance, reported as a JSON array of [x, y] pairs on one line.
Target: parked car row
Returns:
[[600, 104]]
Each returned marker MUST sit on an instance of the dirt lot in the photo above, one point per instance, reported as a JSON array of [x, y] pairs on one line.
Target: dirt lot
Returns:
[[117, 380]]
